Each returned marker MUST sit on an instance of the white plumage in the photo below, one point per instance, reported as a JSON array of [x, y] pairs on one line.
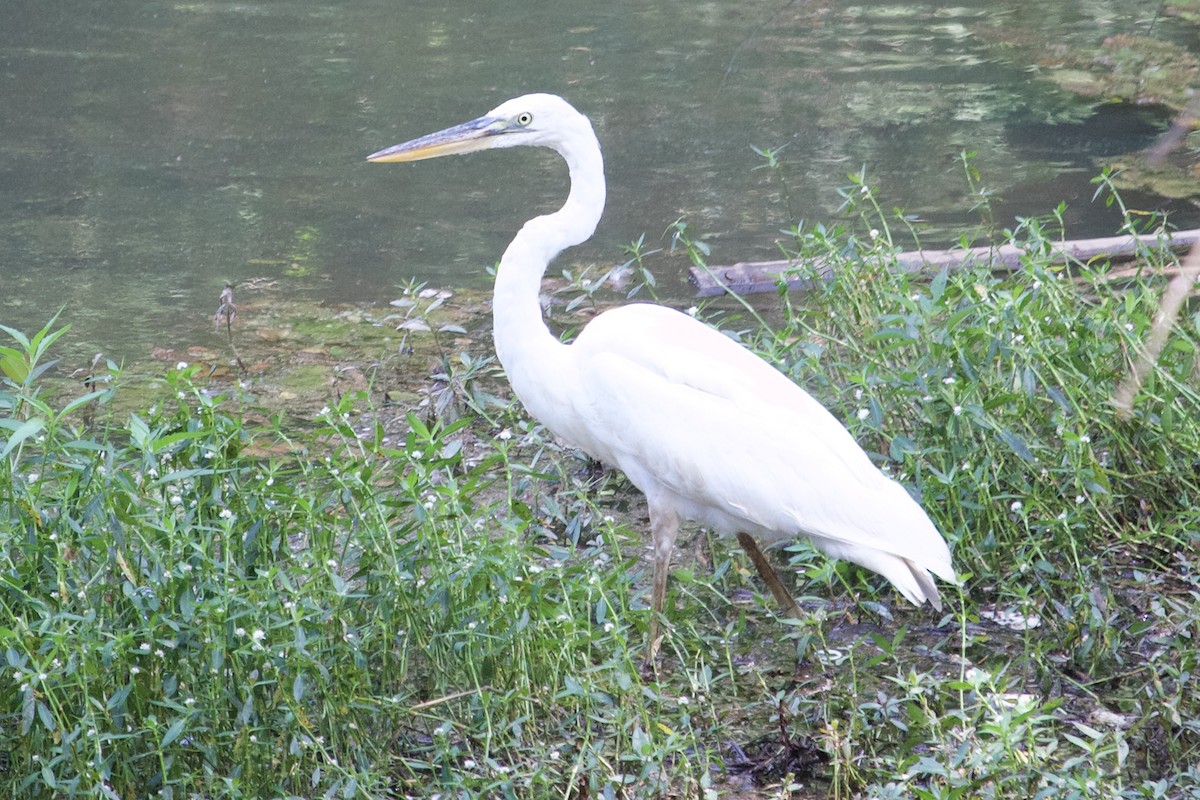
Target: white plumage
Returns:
[[706, 429]]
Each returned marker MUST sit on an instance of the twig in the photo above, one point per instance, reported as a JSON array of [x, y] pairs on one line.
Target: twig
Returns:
[[227, 312], [1168, 311], [1181, 126], [437, 701]]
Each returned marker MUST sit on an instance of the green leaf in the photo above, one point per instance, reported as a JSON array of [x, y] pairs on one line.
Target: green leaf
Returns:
[[173, 732], [937, 287], [80, 401], [117, 701], [1016, 444], [172, 438], [247, 711], [139, 431], [13, 364], [47, 718], [16, 335], [28, 428]]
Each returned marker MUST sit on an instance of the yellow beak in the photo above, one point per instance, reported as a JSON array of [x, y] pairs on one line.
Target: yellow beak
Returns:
[[465, 138]]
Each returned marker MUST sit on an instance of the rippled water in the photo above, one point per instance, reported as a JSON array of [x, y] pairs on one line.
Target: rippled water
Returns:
[[150, 151]]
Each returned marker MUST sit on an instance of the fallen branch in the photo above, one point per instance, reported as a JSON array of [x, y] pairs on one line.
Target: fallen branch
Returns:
[[1168, 311], [748, 277]]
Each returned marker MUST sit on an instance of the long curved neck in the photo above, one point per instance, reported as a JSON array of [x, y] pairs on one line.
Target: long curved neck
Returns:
[[518, 327]]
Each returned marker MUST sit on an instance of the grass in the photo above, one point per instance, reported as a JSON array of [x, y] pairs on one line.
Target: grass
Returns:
[[194, 604]]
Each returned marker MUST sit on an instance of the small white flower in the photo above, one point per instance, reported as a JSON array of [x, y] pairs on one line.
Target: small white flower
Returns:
[[693, 311], [505, 435], [863, 413], [874, 233], [134, 670], [181, 365], [189, 702], [239, 631], [858, 394], [948, 380], [226, 514], [957, 411], [258, 635], [1129, 326], [608, 626], [159, 652], [1079, 499], [144, 647], [1017, 505], [1085, 439], [331, 563]]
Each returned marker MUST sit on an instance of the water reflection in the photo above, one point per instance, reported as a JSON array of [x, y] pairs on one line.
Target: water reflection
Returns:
[[150, 151]]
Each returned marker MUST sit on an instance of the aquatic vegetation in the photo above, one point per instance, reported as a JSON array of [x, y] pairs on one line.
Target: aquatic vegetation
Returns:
[[201, 597]]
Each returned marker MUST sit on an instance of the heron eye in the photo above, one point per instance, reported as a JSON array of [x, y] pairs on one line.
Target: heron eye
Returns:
[[524, 119]]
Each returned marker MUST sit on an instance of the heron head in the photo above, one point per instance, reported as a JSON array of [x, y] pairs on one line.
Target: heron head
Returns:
[[531, 120]]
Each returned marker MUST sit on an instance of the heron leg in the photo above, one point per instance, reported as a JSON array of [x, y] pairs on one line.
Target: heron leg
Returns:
[[664, 527], [782, 596]]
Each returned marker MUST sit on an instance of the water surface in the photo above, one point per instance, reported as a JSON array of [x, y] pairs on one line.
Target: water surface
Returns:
[[152, 150]]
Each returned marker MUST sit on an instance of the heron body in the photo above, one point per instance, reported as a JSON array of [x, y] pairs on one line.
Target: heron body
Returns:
[[703, 427]]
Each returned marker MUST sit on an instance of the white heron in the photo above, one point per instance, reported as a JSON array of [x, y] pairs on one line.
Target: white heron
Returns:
[[707, 430]]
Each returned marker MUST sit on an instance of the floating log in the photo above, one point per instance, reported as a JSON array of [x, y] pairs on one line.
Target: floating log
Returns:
[[748, 277]]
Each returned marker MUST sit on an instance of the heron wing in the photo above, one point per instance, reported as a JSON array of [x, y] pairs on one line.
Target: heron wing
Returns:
[[683, 408]]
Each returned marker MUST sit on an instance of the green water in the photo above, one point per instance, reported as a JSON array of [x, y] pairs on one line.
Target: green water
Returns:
[[152, 150]]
